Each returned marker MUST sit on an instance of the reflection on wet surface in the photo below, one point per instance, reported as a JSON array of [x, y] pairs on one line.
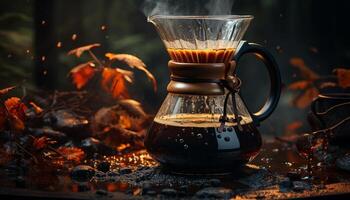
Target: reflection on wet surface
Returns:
[[277, 169]]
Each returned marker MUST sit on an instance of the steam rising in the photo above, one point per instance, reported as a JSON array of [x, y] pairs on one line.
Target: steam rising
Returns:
[[186, 7]]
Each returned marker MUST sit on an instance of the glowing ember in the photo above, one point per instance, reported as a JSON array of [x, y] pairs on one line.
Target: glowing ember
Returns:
[[59, 44], [103, 27], [28, 51], [74, 37], [43, 22], [43, 58]]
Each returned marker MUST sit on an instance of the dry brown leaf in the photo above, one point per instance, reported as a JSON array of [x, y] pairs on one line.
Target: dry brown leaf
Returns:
[[78, 51], [131, 107], [343, 76], [305, 71], [72, 153], [82, 73], [6, 90], [133, 62], [305, 99], [299, 85], [113, 82]]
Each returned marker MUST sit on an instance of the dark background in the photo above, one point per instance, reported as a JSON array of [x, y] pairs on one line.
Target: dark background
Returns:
[[316, 31]]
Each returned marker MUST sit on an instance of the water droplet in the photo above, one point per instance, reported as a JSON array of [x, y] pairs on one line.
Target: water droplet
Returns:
[[185, 146], [199, 136], [181, 140], [192, 133], [206, 143], [178, 135], [183, 130]]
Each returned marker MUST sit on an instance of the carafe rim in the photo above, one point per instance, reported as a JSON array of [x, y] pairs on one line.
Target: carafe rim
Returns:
[[208, 17]]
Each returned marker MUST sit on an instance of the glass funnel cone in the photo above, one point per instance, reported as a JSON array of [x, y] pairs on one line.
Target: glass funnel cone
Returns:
[[201, 39]]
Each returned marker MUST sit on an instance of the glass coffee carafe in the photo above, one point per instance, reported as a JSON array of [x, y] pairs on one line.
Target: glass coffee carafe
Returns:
[[203, 126]]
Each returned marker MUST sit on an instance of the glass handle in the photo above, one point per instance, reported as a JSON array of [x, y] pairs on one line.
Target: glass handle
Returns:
[[274, 74]]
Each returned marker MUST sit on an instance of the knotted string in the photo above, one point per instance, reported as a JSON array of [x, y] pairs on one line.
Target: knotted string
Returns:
[[232, 84]]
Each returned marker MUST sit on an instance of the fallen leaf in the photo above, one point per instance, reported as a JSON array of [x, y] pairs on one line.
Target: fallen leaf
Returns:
[[36, 108], [113, 82], [6, 90], [305, 98], [72, 153], [41, 142], [78, 51], [16, 113], [305, 71], [133, 62], [82, 73], [299, 85], [131, 107], [343, 76]]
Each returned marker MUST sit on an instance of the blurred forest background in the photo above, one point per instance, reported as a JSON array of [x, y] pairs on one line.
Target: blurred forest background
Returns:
[[36, 35]]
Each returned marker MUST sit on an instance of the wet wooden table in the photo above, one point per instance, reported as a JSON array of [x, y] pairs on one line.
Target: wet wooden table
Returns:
[[277, 173]]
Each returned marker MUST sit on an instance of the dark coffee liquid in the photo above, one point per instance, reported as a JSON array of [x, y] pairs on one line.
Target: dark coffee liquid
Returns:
[[202, 149], [201, 56]]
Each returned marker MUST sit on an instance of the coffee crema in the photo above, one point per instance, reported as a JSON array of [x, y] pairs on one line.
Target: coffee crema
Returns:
[[201, 55]]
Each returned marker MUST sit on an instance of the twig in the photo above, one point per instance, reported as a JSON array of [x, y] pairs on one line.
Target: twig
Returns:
[[95, 58]]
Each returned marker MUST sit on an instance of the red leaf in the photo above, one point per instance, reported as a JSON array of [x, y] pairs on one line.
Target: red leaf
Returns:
[[343, 77], [41, 142], [82, 73], [72, 153], [113, 82], [133, 62], [299, 85], [16, 113], [305, 71], [78, 51]]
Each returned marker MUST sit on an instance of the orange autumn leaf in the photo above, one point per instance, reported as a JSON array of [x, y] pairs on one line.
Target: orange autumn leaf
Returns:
[[72, 153], [299, 85], [305, 98], [113, 82], [292, 127], [82, 73], [133, 62], [6, 90], [36, 108], [78, 51], [343, 76], [16, 113], [305, 71]]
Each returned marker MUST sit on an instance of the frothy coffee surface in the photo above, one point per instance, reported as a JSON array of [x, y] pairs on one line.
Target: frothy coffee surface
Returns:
[[197, 120], [201, 55]]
